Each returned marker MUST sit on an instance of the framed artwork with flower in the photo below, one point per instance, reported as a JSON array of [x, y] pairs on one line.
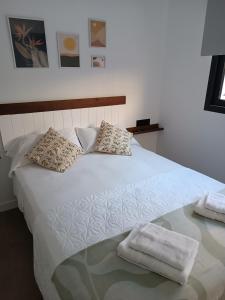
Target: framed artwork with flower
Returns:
[[28, 42]]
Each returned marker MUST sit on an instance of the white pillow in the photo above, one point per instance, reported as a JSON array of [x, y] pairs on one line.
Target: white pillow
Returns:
[[70, 134], [12, 147], [87, 138], [17, 148], [134, 142]]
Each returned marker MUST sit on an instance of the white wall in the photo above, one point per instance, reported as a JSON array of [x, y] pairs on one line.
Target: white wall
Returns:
[[133, 56], [132, 53], [192, 136]]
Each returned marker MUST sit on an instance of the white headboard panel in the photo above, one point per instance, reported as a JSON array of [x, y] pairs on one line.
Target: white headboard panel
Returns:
[[12, 126], [17, 119]]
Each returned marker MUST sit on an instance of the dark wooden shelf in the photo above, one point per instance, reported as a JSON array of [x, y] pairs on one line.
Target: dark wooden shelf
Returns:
[[145, 129]]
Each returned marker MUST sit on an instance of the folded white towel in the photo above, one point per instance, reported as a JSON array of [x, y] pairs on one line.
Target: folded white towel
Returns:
[[205, 212], [215, 202], [150, 263], [173, 248]]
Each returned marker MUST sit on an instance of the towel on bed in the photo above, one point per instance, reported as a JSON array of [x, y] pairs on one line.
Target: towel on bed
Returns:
[[150, 263], [168, 246], [200, 208], [215, 202]]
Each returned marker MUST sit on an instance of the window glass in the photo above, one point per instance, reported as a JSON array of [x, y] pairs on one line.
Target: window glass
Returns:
[[215, 96], [222, 96]]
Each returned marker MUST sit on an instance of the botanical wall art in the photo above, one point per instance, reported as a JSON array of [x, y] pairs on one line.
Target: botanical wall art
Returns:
[[97, 33], [28, 42], [98, 61], [68, 48]]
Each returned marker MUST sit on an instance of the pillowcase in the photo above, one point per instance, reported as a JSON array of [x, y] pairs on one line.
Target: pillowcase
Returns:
[[87, 138], [70, 134], [18, 147], [113, 140], [134, 142], [54, 152]]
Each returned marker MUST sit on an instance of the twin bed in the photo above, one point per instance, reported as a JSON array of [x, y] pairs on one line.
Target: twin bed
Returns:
[[91, 207]]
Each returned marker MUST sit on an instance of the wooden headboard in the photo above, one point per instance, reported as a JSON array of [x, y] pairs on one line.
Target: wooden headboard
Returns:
[[17, 119], [41, 106]]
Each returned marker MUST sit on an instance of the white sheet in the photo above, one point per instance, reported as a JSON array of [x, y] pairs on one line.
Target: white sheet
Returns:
[[126, 190]]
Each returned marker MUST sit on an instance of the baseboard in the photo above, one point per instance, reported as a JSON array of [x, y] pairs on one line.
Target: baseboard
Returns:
[[8, 205]]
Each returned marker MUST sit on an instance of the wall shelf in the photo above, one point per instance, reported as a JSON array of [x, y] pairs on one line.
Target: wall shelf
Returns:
[[145, 129]]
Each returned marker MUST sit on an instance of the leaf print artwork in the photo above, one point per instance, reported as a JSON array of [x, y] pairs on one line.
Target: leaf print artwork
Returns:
[[29, 43], [22, 50], [21, 31]]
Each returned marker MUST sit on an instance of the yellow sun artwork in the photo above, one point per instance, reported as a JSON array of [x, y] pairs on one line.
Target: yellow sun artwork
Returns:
[[68, 47], [69, 43], [97, 33]]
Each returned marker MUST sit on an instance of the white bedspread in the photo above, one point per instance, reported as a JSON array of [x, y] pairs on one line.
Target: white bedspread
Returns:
[[39, 190], [101, 196]]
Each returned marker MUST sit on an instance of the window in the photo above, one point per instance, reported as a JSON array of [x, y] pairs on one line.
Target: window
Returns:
[[215, 97]]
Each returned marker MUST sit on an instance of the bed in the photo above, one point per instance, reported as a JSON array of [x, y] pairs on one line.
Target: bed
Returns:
[[98, 200], [100, 197]]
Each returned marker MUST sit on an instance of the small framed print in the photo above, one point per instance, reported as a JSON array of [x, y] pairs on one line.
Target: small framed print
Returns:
[[97, 33], [28, 42], [98, 61], [68, 49]]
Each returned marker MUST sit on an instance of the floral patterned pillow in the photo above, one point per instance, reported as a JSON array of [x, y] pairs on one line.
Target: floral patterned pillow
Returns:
[[113, 140], [54, 152]]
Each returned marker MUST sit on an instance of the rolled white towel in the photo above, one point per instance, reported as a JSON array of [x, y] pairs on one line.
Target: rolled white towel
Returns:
[[215, 202], [201, 209], [171, 247], [150, 263]]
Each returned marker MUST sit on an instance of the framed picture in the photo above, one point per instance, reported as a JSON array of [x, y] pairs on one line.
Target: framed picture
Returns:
[[97, 33], [28, 42], [68, 48], [98, 61]]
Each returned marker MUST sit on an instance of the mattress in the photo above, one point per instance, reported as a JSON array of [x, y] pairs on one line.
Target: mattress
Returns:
[[99, 197]]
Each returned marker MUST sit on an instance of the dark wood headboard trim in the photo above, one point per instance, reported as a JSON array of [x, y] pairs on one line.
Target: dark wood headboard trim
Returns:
[[31, 107]]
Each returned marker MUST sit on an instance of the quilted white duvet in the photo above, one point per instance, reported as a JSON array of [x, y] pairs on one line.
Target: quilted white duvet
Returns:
[[77, 221]]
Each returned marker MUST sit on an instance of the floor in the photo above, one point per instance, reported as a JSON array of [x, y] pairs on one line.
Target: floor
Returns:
[[16, 259]]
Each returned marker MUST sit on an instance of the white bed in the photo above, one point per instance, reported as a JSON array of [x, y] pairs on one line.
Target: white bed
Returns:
[[42, 189], [99, 197]]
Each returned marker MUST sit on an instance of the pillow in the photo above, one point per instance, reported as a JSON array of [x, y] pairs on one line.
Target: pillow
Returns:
[[54, 152], [70, 134], [113, 140], [134, 142], [18, 147], [14, 146], [87, 138]]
